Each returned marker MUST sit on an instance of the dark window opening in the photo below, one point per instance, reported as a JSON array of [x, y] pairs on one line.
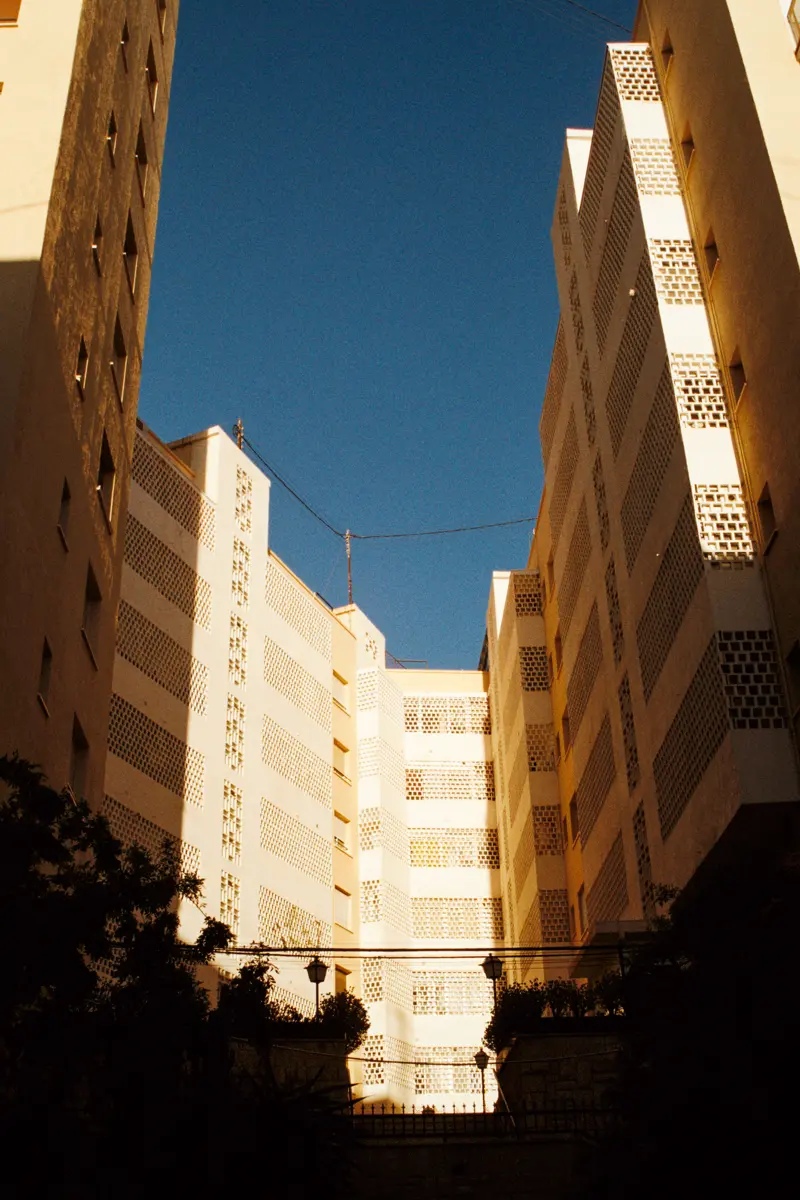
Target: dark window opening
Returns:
[[106, 478]]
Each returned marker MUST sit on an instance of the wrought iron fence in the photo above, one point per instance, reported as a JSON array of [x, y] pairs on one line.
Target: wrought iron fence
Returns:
[[392, 1121]]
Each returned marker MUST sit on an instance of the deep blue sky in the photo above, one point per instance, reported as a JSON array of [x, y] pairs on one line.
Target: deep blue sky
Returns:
[[353, 255]]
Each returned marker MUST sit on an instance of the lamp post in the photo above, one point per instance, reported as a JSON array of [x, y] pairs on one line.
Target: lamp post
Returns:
[[493, 969], [482, 1062], [317, 971]]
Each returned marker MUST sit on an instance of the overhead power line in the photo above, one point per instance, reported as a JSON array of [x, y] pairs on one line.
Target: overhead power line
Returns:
[[373, 537], [578, 11]]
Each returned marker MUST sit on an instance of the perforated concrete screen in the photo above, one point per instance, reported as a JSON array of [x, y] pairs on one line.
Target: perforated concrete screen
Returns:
[[652, 461], [642, 315], [280, 922], [296, 684], [432, 1078], [589, 411], [230, 902], [752, 679], [563, 224], [654, 166], [553, 392], [295, 843], [596, 781], [635, 73], [725, 535], [175, 494], [377, 757], [692, 741], [602, 138], [632, 769], [240, 573], [244, 501], [382, 901], [644, 867], [451, 993], [676, 272], [154, 751], [547, 829], [237, 651], [587, 666], [562, 484], [608, 896], [601, 502], [377, 827], [289, 758], [448, 917], [614, 612], [539, 745], [574, 569], [297, 609], [450, 781], [533, 668], [575, 311], [699, 391], [153, 560], [523, 857], [453, 847], [132, 828], [614, 251], [527, 593], [232, 815], [235, 723], [387, 979], [675, 584], [447, 714], [161, 658]]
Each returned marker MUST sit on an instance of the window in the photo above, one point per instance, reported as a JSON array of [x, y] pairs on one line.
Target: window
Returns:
[[91, 613], [341, 832], [340, 692], [342, 908], [119, 360], [572, 927], [341, 763], [574, 824], [111, 135], [667, 52], [557, 747], [766, 518], [106, 476], [551, 575], [45, 671], [550, 672], [97, 242], [687, 147], [340, 984], [564, 833], [711, 253], [581, 911], [161, 5], [151, 75], [130, 254], [738, 376], [141, 160], [124, 41], [63, 514], [78, 760], [559, 650], [565, 731], [82, 368]]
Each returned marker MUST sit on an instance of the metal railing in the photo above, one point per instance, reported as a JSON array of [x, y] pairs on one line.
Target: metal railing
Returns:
[[397, 1122]]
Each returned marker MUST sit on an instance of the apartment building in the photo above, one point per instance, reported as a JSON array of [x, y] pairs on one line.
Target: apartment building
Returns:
[[654, 632], [84, 94], [327, 803]]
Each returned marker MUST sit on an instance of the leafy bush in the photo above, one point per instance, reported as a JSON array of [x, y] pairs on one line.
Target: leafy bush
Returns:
[[522, 1006]]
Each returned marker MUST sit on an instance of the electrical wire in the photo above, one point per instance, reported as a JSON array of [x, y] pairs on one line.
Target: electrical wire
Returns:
[[372, 537], [590, 12]]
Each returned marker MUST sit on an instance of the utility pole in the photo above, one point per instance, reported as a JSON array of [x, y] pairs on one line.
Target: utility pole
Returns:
[[349, 568], [238, 433]]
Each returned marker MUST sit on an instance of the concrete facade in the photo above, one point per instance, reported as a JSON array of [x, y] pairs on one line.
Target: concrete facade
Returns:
[[327, 803], [84, 94]]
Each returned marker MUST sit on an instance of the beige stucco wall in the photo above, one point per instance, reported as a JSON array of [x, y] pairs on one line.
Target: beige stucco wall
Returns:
[[63, 73]]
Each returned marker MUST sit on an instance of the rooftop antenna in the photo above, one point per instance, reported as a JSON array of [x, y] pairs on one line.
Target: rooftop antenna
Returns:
[[238, 433]]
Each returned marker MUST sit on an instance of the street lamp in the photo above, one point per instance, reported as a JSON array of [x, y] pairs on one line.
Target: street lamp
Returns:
[[493, 969], [317, 971], [482, 1062]]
